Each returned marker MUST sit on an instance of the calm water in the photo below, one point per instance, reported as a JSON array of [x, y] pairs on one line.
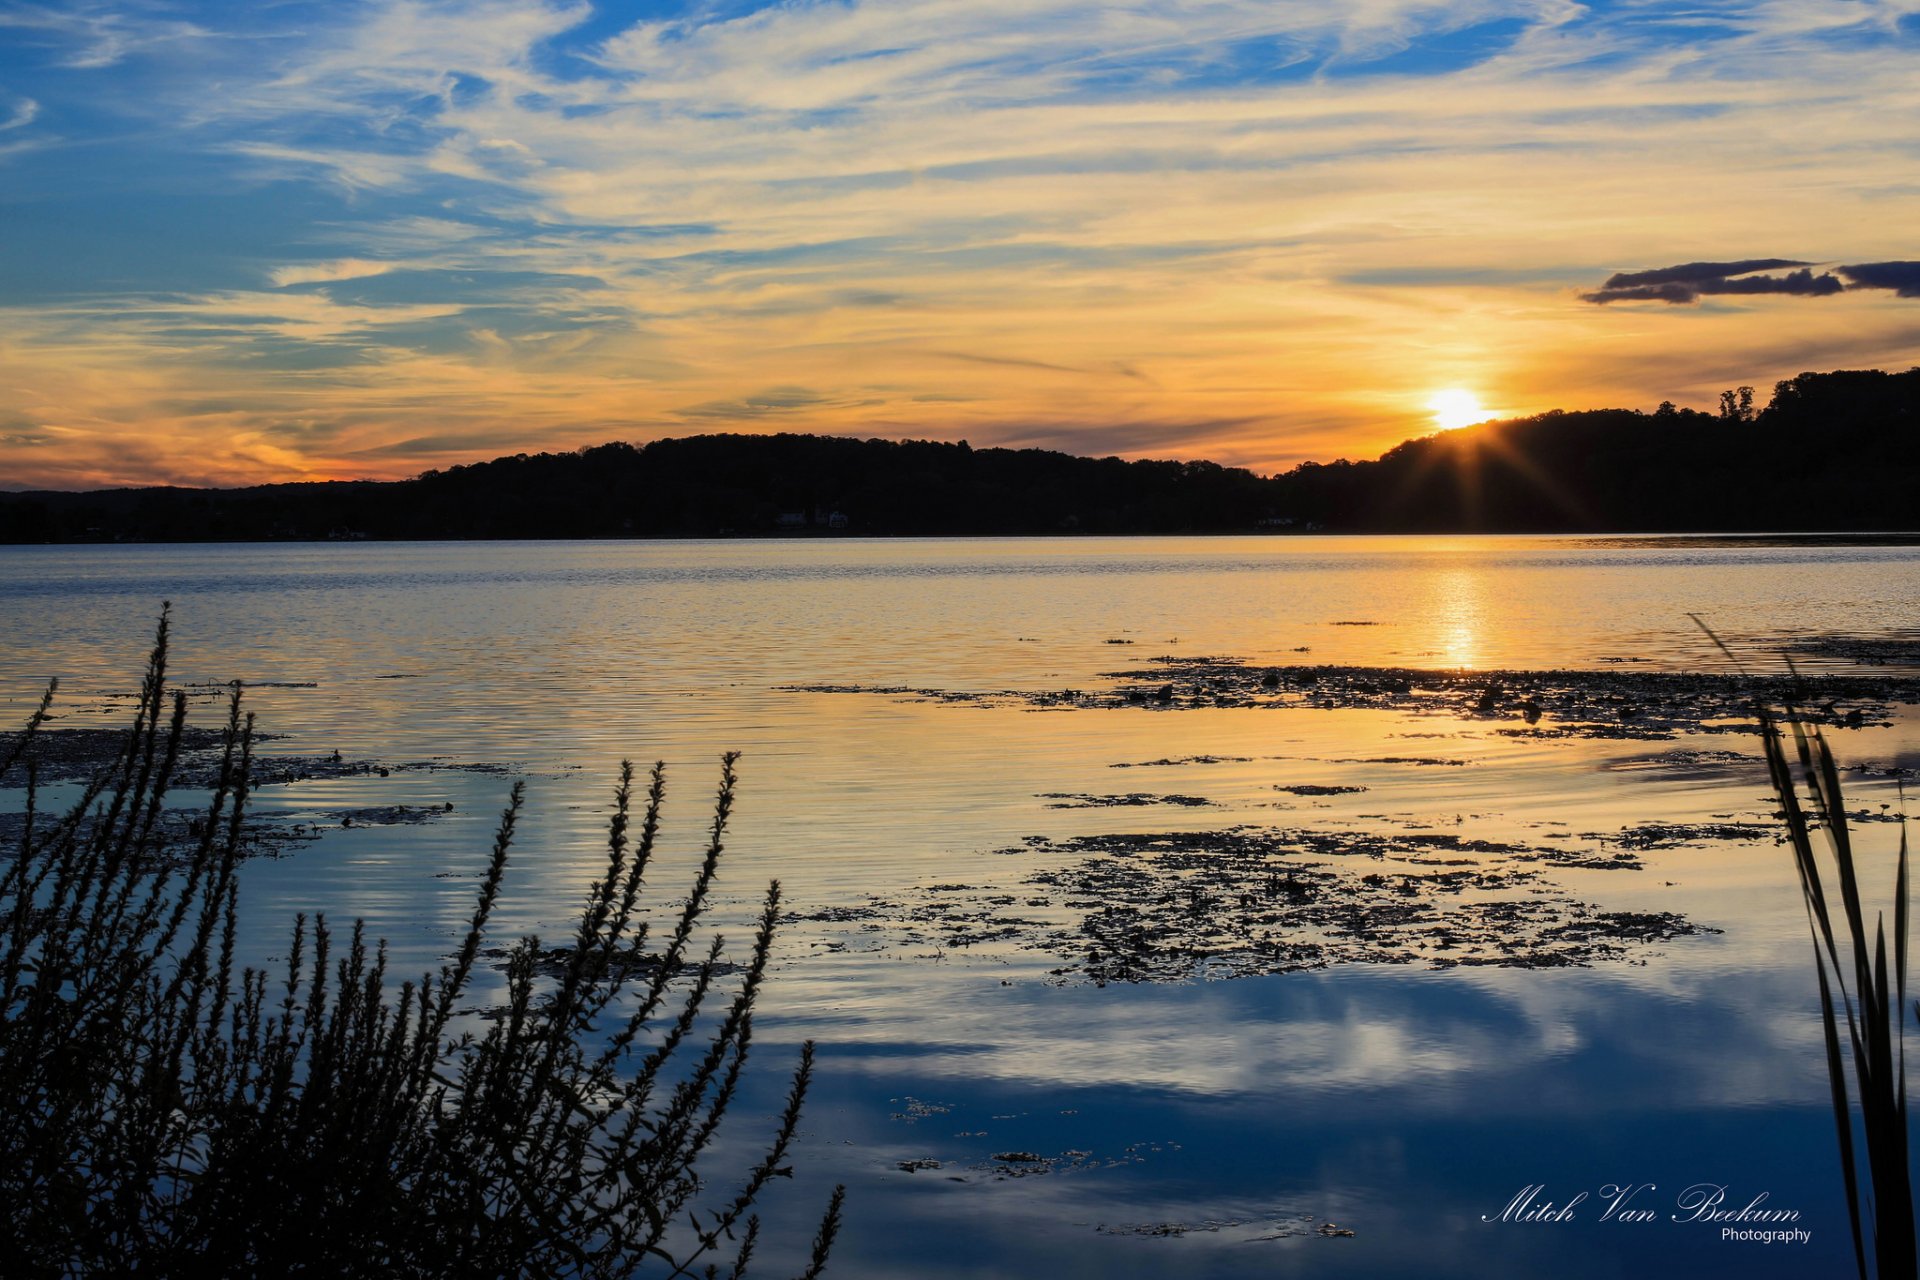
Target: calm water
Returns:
[[1399, 1101]]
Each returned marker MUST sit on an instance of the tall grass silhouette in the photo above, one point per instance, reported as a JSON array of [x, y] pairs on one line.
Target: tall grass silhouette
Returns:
[[1863, 998], [167, 1111]]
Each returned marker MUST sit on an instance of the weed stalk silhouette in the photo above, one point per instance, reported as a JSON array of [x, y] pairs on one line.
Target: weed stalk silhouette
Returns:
[[167, 1111], [1863, 998]]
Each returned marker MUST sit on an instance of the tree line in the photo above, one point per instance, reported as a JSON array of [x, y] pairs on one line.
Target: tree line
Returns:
[[1829, 451]]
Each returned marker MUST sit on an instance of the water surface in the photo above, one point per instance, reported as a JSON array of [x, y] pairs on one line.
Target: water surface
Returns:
[[1185, 1126]]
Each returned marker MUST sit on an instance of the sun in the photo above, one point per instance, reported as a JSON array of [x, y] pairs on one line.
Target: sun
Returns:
[[1456, 408]]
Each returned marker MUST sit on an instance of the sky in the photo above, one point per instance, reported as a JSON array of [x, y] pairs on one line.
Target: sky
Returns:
[[281, 241]]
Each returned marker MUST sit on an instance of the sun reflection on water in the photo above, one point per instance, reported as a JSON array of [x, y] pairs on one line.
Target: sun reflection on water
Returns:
[[1460, 614]]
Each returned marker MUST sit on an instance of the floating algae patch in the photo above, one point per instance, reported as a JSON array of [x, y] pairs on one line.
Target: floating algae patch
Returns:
[[913, 1110], [641, 965], [1691, 764], [226, 685], [1253, 1230], [1674, 835], [178, 834], [1597, 704], [80, 755], [274, 825], [1132, 800], [1418, 762], [1027, 1164], [1615, 703], [1001, 1166], [1174, 906], [1895, 649], [389, 815], [1170, 762], [1030, 1164]]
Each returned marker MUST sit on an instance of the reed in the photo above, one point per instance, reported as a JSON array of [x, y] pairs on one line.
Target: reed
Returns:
[[1863, 998], [167, 1111]]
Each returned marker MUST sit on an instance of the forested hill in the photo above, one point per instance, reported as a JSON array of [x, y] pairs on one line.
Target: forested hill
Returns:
[[1835, 451], [1831, 451]]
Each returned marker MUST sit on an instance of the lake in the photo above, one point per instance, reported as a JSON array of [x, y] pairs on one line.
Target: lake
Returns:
[[1032, 803]]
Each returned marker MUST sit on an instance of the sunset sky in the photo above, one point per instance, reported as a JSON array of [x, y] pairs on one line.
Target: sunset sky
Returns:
[[246, 242]]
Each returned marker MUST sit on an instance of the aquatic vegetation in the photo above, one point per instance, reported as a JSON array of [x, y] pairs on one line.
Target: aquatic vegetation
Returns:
[[1619, 704], [1863, 993], [165, 1110], [1175, 906]]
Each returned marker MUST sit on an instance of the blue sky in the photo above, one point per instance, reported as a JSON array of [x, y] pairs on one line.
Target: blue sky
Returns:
[[281, 240]]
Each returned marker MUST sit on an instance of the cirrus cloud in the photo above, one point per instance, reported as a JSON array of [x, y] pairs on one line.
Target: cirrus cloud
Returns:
[[1256, 230]]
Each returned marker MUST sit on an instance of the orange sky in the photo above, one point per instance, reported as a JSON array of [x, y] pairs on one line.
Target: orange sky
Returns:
[[319, 242]]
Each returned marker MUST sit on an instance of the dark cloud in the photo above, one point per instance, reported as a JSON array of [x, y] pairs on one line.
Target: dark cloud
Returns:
[[1902, 277], [1690, 281], [1694, 272], [1802, 282], [1645, 293]]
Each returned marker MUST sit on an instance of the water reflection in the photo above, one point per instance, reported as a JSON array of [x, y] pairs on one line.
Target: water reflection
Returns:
[[1404, 1105], [1459, 612], [1401, 1100]]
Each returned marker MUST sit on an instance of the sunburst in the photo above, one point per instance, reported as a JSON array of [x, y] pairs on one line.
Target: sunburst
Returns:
[[1456, 408]]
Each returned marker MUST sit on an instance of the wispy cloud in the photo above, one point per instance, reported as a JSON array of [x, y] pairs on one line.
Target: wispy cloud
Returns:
[[21, 114], [328, 272], [1275, 226], [92, 36], [772, 402]]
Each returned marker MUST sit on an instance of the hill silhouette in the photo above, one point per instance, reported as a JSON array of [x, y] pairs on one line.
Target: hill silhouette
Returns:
[[1830, 451]]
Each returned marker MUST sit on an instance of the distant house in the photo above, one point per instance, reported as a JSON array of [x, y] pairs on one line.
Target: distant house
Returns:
[[817, 518]]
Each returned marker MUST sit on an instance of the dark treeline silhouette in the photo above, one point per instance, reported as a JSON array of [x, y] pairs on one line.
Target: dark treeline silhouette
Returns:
[[695, 487], [1830, 451]]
